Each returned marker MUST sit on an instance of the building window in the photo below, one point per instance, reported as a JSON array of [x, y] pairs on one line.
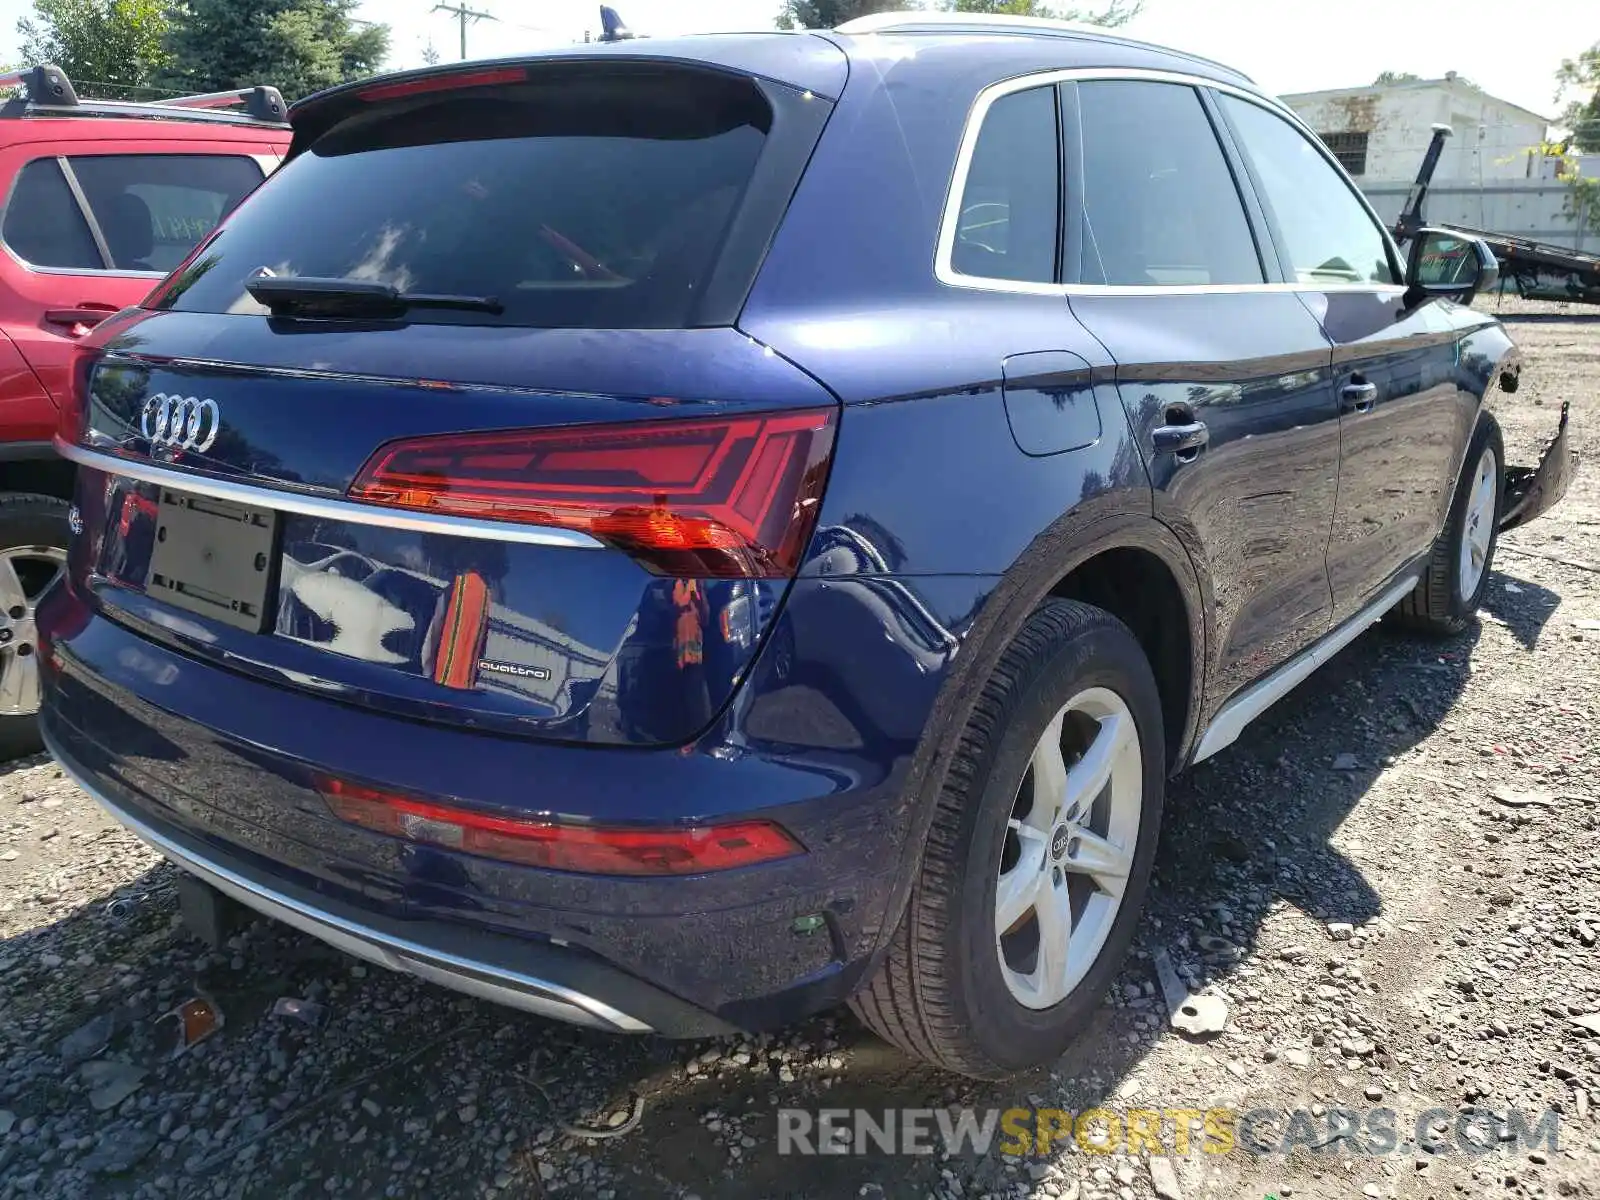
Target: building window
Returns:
[[1349, 148]]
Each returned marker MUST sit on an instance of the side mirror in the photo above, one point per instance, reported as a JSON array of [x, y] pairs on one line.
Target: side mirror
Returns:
[[1445, 263]]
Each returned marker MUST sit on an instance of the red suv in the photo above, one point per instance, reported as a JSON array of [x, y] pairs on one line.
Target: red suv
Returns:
[[102, 199]]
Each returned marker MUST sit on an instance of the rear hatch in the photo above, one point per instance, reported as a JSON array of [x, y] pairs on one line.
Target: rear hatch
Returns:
[[450, 418]]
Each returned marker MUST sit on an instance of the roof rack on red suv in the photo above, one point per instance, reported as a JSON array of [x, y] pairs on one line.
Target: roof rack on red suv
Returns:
[[51, 94]]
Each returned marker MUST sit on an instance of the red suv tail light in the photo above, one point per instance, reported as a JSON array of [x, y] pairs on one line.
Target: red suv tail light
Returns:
[[555, 846], [723, 497]]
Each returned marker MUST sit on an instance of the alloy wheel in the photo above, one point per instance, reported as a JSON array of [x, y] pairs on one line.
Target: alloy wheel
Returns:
[[1069, 848], [1479, 528], [26, 573]]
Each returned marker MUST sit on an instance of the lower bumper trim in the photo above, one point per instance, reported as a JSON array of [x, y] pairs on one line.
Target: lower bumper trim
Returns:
[[484, 980]]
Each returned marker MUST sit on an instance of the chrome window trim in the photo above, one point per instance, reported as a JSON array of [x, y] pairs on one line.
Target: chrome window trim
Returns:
[[325, 507], [944, 250]]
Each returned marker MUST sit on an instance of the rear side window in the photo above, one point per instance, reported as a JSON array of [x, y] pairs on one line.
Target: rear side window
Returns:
[[1328, 233], [150, 209], [153, 209], [595, 198], [1161, 207], [1006, 226], [43, 225]]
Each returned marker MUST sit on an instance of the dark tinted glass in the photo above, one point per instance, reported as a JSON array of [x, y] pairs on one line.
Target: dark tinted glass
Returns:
[[43, 226], [1007, 225], [596, 200], [1329, 234], [1160, 204], [154, 208]]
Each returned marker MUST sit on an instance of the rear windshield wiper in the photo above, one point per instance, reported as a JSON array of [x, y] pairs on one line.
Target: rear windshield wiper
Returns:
[[304, 295]]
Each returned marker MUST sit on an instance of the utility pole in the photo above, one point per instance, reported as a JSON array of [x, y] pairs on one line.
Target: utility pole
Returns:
[[463, 14]]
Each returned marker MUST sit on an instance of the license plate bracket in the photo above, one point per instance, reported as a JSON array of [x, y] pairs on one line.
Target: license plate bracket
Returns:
[[215, 558]]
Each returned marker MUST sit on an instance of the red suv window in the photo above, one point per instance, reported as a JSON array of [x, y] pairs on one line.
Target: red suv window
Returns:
[[149, 210]]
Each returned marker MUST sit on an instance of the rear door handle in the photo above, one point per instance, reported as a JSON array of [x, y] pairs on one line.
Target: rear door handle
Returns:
[[1186, 441], [85, 315], [1357, 397]]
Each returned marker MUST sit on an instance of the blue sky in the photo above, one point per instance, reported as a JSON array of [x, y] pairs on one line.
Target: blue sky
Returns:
[[1512, 51]]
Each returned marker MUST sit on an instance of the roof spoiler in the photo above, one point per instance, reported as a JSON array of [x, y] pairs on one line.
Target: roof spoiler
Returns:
[[49, 89]]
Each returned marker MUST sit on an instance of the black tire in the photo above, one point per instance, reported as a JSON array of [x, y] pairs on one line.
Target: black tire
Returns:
[[28, 520], [1437, 606], [939, 994]]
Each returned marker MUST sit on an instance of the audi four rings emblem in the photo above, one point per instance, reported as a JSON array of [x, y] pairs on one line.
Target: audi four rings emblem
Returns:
[[180, 422]]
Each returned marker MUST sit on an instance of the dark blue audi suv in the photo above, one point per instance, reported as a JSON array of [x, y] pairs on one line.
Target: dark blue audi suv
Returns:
[[678, 534]]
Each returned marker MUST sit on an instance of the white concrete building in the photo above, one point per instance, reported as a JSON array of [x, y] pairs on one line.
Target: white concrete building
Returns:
[[1380, 133]]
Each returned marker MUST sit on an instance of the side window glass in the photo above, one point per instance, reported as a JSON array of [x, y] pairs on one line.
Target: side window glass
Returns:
[[1329, 235], [43, 225], [153, 209], [1006, 226], [1161, 207]]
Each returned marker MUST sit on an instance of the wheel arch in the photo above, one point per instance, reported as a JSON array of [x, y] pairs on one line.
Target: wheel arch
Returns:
[[1066, 560]]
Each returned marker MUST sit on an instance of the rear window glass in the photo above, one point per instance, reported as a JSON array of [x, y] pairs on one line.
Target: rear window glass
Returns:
[[594, 199], [151, 209]]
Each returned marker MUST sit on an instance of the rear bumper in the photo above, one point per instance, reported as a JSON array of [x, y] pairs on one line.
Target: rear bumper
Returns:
[[215, 769], [546, 980], [1532, 491]]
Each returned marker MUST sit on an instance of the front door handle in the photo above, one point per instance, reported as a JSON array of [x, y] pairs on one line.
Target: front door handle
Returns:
[[1358, 396], [1186, 441]]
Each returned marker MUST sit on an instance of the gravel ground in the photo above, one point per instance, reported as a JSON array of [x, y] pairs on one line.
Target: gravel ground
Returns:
[[1390, 882]]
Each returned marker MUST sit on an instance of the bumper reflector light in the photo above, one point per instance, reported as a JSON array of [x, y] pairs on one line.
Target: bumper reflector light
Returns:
[[559, 846]]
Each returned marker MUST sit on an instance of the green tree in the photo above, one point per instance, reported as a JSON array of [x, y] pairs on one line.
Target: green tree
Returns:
[[1582, 116], [109, 48], [298, 46], [1390, 78], [1116, 12], [828, 14]]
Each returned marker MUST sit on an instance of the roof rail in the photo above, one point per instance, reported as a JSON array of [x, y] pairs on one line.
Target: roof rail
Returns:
[[261, 102], [928, 21], [50, 93]]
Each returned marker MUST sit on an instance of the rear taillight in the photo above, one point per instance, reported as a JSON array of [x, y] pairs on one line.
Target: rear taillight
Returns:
[[724, 497], [597, 850]]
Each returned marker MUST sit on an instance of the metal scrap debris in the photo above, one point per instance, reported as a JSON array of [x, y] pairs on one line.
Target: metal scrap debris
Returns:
[[307, 1012], [191, 1023], [1188, 1013]]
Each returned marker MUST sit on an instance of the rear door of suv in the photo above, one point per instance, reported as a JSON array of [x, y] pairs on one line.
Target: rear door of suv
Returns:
[[1223, 372], [90, 225]]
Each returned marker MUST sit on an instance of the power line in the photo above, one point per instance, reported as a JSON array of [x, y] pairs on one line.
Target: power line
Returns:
[[463, 14]]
